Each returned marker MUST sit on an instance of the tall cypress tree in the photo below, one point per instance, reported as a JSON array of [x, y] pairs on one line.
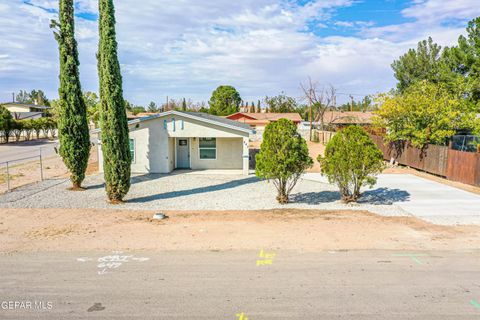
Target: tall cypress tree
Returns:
[[72, 123], [184, 105], [113, 117]]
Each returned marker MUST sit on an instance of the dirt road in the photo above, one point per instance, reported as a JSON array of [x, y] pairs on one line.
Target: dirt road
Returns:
[[306, 230]]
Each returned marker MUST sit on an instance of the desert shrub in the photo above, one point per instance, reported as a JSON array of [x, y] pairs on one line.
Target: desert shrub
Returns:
[[283, 157], [351, 161]]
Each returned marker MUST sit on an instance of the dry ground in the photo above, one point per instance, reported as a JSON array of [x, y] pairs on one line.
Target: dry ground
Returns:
[[53, 167], [33, 230]]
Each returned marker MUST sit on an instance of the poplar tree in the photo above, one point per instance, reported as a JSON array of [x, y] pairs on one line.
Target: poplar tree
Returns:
[[72, 122], [113, 117], [184, 105]]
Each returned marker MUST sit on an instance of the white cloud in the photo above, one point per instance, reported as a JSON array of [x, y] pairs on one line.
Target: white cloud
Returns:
[[439, 10], [186, 48]]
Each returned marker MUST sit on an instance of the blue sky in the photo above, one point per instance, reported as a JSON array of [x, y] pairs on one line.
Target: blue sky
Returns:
[[186, 48]]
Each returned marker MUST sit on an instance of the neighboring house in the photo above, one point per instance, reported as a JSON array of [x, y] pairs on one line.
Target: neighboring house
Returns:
[[22, 111], [258, 121], [340, 119], [186, 140], [131, 116]]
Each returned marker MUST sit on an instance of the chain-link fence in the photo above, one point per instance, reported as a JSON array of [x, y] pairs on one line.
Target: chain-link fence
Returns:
[[36, 166]]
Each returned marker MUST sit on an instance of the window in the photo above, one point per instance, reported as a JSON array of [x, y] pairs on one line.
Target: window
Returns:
[[208, 148], [132, 149]]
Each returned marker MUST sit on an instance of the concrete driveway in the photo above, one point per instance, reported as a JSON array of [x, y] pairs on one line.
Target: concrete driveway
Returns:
[[429, 200], [394, 195]]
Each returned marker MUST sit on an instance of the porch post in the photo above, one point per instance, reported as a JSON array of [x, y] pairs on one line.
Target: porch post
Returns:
[[246, 155]]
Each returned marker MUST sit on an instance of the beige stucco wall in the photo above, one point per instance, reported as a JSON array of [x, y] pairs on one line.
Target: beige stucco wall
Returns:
[[13, 108], [171, 154], [229, 155], [155, 146]]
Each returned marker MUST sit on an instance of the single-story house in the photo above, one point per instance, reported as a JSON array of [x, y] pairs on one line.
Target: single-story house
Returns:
[[258, 121], [131, 116], [22, 111], [340, 119], [173, 140], [261, 120]]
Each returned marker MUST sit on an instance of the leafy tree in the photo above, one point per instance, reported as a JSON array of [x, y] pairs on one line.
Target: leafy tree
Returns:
[[283, 157], [425, 113], [113, 117], [352, 160], [28, 128], [259, 107], [252, 107], [34, 96], [456, 67], [418, 65], [39, 97], [184, 105], [366, 104], [17, 129], [6, 123], [92, 103], [281, 104], [137, 109], [225, 100], [23, 97], [72, 122], [152, 107], [37, 127], [461, 63], [48, 126]]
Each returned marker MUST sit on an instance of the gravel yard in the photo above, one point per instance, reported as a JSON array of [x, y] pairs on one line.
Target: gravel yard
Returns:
[[191, 191]]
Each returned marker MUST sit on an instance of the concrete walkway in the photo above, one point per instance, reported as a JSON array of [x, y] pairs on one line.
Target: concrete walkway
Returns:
[[426, 199]]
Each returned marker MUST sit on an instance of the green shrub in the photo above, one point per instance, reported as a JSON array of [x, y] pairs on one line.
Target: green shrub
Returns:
[[352, 160], [283, 157], [6, 123]]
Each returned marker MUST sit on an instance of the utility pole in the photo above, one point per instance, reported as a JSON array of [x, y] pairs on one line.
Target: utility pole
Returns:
[[311, 112]]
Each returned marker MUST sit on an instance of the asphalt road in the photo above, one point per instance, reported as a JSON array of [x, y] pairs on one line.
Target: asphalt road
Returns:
[[26, 149], [225, 285]]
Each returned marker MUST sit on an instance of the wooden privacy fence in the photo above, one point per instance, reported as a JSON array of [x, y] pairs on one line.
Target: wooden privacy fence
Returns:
[[463, 167], [440, 160]]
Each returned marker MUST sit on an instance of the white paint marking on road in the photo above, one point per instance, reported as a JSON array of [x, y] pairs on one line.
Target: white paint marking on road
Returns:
[[113, 261], [141, 259]]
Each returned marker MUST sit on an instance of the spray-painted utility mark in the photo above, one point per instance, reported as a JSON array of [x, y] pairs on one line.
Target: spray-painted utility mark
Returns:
[[114, 261], [475, 303], [267, 258], [241, 316], [413, 256]]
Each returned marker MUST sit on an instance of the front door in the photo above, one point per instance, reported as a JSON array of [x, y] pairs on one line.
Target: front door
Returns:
[[183, 154]]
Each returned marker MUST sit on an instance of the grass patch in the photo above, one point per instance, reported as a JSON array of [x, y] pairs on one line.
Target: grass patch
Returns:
[[3, 177]]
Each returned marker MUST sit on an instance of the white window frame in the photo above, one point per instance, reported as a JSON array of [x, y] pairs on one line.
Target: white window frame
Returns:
[[199, 148], [134, 158]]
